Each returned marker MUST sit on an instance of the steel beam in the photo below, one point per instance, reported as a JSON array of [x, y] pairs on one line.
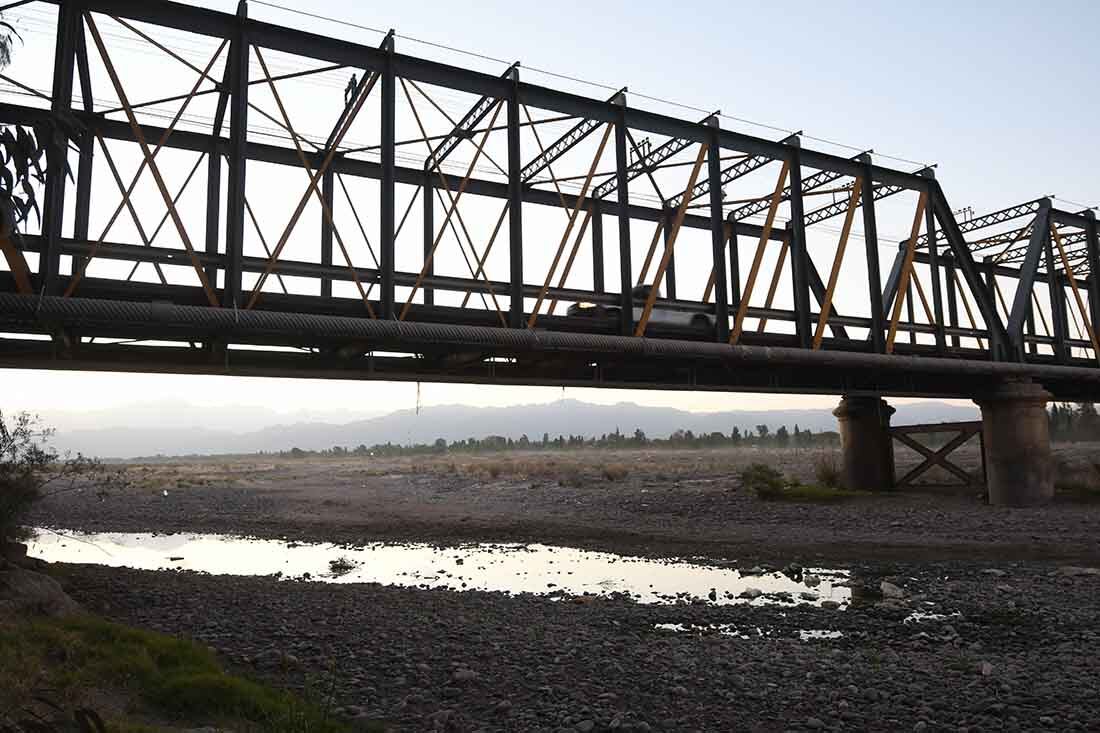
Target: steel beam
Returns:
[[799, 254], [1029, 208], [934, 271], [731, 173], [82, 212], [386, 216], [238, 159], [571, 139], [812, 183], [881, 191], [952, 296], [336, 51], [53, 210], [1022, 300], [998, 336], [428, 206], [598, 284], [515, 205], [718, 241], [874, 277], [328, 197], [670, 270], [1092, 257], [1057, 295], [261, 152], [735, 263], [626, 277], [464, 129], [645, 164]]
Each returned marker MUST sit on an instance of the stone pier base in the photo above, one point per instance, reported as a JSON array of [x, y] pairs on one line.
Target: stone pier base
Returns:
[[865, 442], [1016, 430]]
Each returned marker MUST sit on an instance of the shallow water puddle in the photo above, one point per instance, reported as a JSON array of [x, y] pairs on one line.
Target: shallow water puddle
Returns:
[[511, 568]]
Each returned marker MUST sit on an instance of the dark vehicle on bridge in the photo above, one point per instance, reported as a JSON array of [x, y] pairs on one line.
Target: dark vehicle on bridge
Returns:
[[663, 314]]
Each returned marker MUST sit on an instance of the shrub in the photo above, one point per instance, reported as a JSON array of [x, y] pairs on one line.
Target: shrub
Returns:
[[771, 485], [827, 470], [30, 470], [763, 480]]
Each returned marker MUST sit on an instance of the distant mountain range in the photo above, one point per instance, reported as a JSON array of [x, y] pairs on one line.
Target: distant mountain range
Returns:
[[457, 422]]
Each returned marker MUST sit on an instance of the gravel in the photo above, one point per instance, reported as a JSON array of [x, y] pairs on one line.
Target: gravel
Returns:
[[984, 659], [964, 617]]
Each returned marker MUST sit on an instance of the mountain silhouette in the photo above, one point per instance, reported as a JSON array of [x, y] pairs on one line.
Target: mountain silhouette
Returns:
[[458, 422]]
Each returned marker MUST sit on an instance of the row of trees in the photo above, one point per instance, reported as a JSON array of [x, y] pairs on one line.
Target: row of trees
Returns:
[[1074, 424], [762, 436]]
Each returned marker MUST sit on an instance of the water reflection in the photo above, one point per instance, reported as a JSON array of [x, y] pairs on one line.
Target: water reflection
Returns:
[[512, 568], [743, 633]]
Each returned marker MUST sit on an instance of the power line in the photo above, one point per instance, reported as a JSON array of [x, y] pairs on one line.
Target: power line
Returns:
[[579, 80]]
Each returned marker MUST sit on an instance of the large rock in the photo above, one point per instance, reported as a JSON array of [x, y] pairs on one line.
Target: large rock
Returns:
[[24, 592]]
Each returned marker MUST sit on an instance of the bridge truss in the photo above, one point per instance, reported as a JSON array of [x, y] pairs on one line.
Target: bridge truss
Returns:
[[437, 222]]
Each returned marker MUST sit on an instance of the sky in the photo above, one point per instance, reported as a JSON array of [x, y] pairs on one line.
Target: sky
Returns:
[[1002, 96]]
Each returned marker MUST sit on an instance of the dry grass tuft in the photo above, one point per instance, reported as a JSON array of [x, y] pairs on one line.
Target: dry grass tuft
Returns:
[[827, 470], [615, 472]]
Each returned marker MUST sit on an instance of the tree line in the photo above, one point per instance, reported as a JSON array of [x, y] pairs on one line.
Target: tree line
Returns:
[[761, 436], [1074, 424]]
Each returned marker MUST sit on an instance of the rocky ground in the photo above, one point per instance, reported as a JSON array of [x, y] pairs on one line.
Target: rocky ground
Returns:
[[1012, 643], [656, 502], [1016, 647]]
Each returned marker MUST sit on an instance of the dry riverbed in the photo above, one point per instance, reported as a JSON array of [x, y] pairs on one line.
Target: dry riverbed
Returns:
[[954, 615]]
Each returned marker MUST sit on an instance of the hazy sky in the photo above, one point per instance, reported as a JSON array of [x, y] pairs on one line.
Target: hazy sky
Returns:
[[1002, 95]]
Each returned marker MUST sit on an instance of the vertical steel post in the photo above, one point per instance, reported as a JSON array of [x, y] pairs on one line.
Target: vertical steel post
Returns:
[[799, 253], [327, 195], [1032, 347], [515, 207], [214, 168], [1092, 245], [238, 159], [990, 268], [53, 214], [669, 216], [386, 213], [87, 147], [1057, 301], [1023, 301], [893, 280], [428, 204], [597, 248], [734, 282], [626, 280], [952, 297], [213, 206], [718, 236], [910, 312], [874, 277], [934, 278]]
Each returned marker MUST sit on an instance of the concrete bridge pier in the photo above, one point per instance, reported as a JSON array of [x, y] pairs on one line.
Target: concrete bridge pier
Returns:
[[1018, 463], [865, 442]]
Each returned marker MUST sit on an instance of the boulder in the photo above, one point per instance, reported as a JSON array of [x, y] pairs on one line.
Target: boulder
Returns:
[[24, 592]]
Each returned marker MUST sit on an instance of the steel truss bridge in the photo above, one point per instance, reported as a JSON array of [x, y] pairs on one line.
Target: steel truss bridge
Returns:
[[1013, 293]]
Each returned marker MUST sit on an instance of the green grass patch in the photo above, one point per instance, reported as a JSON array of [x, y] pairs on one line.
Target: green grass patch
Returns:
[[770, 484], [83, 661]]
